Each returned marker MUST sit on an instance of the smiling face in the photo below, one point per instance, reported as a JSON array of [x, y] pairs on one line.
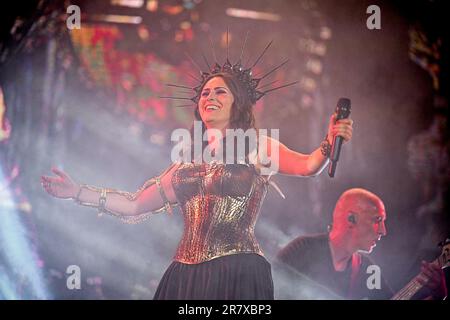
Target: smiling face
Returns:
[[215, 104]]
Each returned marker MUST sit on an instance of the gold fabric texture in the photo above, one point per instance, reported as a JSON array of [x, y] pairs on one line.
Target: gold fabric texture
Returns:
[[220, 204]]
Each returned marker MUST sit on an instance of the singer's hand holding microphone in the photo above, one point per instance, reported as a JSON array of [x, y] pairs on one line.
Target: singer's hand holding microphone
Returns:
[[340, 129], [343, 128]]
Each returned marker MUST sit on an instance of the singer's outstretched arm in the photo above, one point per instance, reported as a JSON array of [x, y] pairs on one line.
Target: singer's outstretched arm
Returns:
[[294, 163]]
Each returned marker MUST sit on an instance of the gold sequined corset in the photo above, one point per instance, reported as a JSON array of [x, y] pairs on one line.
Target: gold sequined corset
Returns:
[[220, 204]]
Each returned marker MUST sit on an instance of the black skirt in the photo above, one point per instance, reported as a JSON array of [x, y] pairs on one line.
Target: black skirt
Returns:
[[243, 276]]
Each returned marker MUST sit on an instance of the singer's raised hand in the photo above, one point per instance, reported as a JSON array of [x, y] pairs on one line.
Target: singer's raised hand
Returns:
[[61, 186], [343, 128]]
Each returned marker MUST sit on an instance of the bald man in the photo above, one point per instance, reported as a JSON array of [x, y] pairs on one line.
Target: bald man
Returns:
[[358, 223], [333, 262]]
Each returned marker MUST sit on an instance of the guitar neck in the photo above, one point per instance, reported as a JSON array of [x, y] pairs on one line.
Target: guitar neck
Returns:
[[413, 286], [409, 290]]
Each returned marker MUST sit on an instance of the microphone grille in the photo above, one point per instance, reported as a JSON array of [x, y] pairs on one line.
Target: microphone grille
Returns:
[[343, 108]]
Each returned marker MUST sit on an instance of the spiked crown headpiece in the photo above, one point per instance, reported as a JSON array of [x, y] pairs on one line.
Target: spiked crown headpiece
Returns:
[[243, 75]]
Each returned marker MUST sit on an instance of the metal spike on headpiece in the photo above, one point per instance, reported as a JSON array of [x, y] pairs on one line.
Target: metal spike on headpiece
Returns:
[[243, 47], [276, 68], [206, 61], [185, 105], [262, 53], [227, 44], [237, 70], [283, 86], [194, 63], [176, 98], [178, 86]]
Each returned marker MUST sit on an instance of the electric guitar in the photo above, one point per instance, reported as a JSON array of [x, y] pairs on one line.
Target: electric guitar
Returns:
[[414, 285]]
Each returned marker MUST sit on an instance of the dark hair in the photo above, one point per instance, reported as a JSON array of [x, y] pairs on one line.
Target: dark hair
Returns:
[[241, 115]]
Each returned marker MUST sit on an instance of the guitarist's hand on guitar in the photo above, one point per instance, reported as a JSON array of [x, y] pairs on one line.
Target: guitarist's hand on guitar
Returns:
[[433, 278]]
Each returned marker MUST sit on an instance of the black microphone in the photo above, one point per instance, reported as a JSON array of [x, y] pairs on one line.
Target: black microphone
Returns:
[[343, 111]]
